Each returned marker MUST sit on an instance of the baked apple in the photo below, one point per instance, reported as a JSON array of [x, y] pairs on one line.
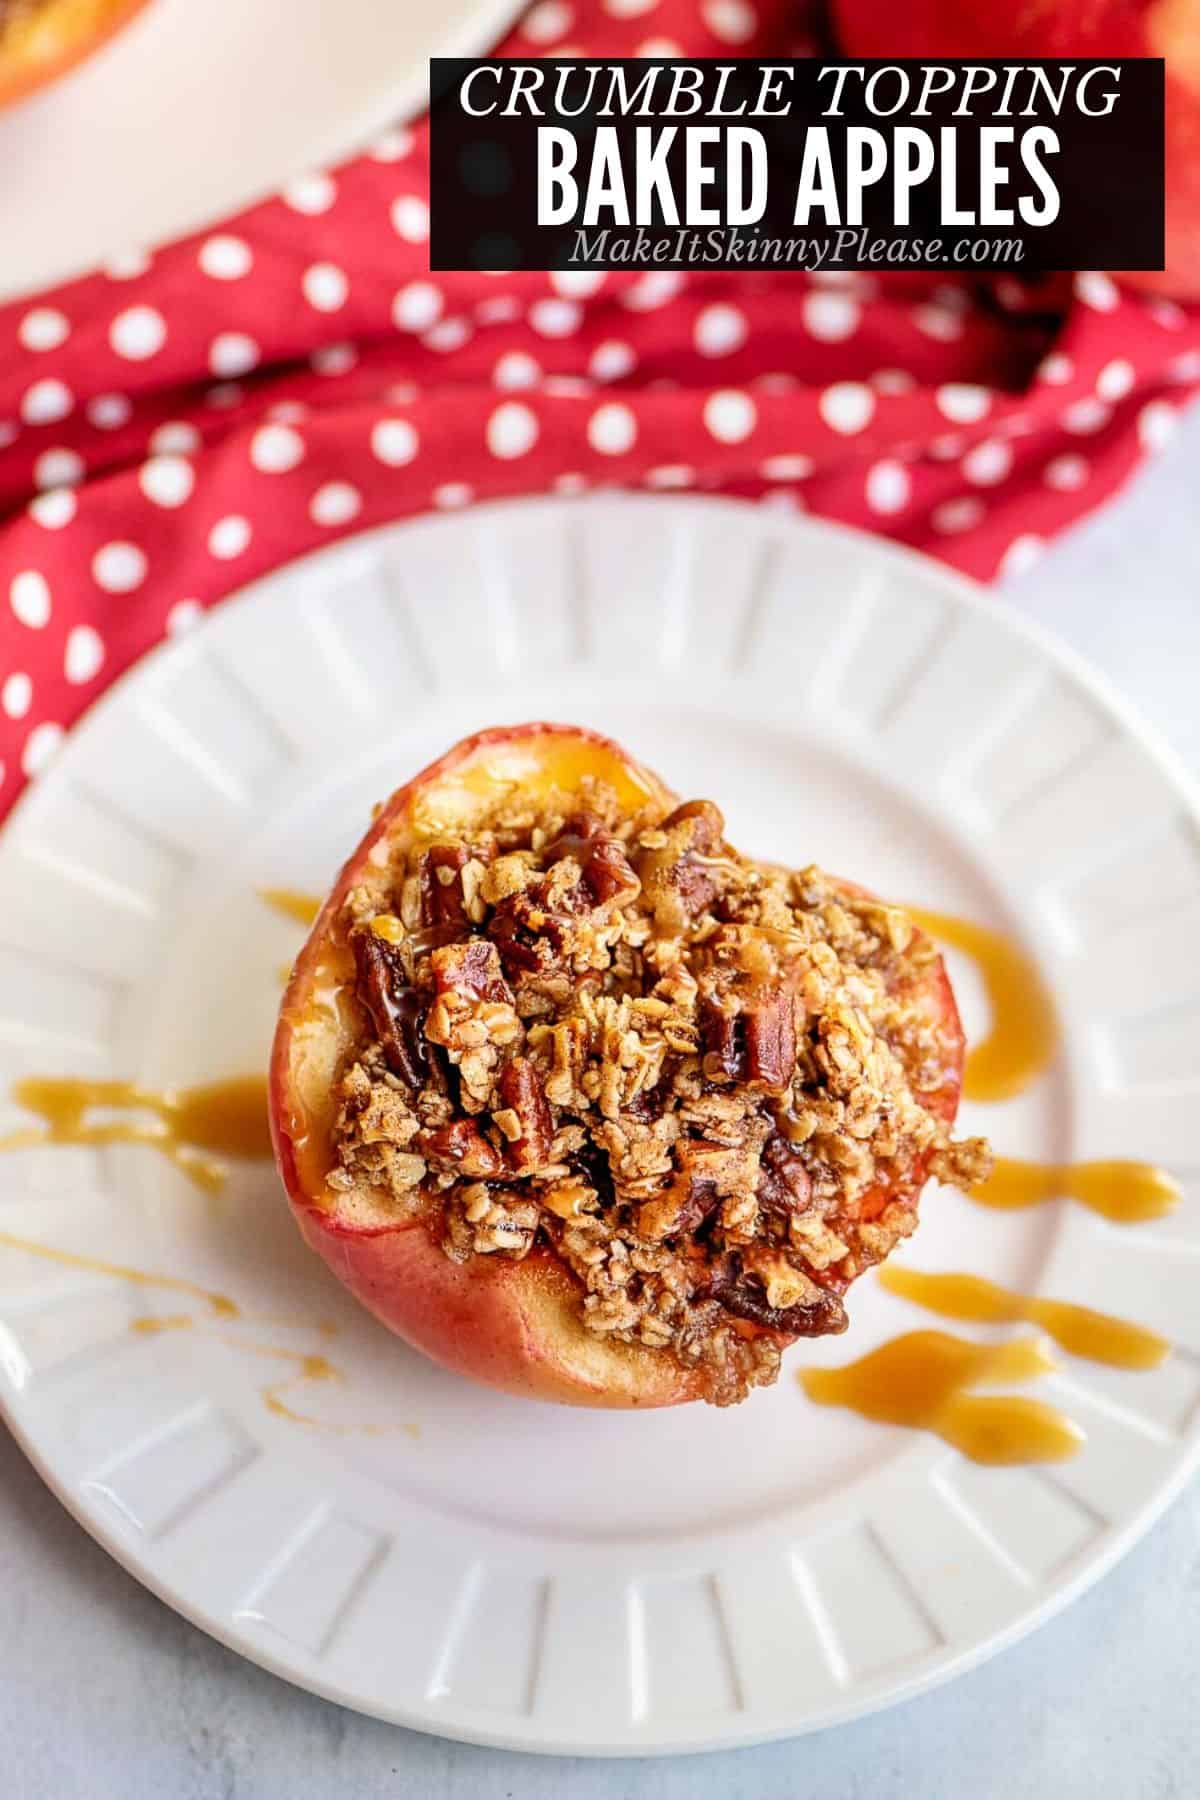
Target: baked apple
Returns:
[[586, 1105], [41, 39]]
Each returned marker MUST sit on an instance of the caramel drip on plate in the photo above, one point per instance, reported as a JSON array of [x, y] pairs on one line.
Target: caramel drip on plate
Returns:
[[308, 1367], [920, 1381], [292, 903], [222, 1306], [1095, 1335], [153, 1323], [1023, 1036], [1128, 1193], [228, 1117]]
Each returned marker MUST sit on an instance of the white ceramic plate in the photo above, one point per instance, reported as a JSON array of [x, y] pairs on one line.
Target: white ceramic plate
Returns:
[[505, 1571], [196, 109]]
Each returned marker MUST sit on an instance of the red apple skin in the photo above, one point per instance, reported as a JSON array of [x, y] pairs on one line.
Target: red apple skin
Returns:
[[513, 1326], [1067, 29], [516, 1326]]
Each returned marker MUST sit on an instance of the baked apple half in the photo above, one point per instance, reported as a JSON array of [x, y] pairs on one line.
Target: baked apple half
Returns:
[[588, 1106]]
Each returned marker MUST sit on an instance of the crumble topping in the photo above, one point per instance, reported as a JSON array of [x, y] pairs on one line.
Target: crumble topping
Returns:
[[710, 1085]]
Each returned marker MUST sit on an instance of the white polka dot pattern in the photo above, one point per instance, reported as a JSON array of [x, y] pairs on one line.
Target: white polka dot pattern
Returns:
[[274, 449], [612, 429], [416, 307], [230, 537], [167, 480], [138, 332], [59, 468], [119, 567], [512, 431], [43, 328], [720, 329], [182, 422], [336, 503], [394, 442], [888, 487], [232, 353], [225, 258], [730, 416]]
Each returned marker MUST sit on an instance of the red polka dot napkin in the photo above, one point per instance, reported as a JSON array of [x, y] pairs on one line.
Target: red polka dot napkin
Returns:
[[179, 422]]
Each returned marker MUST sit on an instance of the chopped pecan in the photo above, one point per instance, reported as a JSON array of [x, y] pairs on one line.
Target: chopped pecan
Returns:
[[743, 1293], [697, 1209], [723, 1034], [396, 1010], [471, 971], [521, 1090], [440, 878], [771, 1038], [531, 939], [462, 1147], [751, 1036], [705, 1174], [704, 826], [673, 873], [472, 1016], [679, 1211], [784, 1185], [606, 871]]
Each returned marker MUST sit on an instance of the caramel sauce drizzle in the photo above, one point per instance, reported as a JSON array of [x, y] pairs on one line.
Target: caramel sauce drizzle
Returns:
[[227, 1117], [292, 903], [1019, 1045], [1023, 1036], [922, 1380], [221, 1305], [1096, 1336], [153, 1323], [1128, 1193], [309, 1367]]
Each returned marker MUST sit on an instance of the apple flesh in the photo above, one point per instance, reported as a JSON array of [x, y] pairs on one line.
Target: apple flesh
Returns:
[[1071, 29], [512, 1325]]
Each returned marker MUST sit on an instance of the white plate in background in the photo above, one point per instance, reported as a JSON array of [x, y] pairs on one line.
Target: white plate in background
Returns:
[[193, 110], [485, 1567]]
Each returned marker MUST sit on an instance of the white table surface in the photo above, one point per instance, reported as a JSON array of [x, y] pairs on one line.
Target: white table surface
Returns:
[[106, 1695]]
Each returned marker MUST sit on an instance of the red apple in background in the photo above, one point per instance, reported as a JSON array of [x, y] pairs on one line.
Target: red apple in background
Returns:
[[1067, 28]]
